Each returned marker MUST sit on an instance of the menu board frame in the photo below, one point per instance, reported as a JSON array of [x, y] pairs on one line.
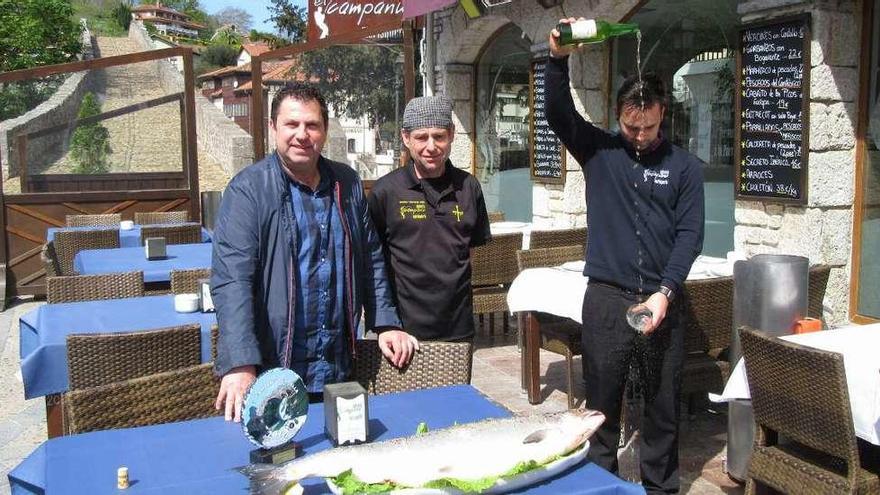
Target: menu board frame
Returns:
[[805, 21], [560, 179]]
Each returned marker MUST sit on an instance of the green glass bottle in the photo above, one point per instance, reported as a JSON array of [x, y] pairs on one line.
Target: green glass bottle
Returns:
[[592, 31]]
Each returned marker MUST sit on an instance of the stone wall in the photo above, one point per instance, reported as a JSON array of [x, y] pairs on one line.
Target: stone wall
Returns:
[[821, 230], [63, 106], [218, 136]]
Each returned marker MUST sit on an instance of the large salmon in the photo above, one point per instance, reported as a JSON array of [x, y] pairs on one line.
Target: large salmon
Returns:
[[475, 451]]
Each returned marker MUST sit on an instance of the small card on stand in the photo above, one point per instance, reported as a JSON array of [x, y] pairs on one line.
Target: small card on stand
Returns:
[[346, 413], [155, 248], [205, 300], [276, 455]]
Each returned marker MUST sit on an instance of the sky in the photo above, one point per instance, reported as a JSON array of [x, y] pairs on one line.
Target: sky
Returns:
[[256, 8]]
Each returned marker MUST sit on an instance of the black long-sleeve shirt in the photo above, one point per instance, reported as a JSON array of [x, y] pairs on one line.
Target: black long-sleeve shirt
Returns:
[[644, 213]]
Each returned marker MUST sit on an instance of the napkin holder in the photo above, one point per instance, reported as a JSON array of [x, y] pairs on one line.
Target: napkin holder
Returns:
[[206, 302], [346, 413], [155, 248]]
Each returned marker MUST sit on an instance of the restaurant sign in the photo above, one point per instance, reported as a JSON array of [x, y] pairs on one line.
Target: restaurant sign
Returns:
[[334, 17]]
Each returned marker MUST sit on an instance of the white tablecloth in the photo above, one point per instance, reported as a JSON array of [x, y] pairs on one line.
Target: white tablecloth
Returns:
[[860, 346], [560, 290], [511, 228]]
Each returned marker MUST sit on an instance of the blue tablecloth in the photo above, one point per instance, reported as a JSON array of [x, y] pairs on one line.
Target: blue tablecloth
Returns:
[[44, 330], [198, 457], [180, 257], [127, 238]]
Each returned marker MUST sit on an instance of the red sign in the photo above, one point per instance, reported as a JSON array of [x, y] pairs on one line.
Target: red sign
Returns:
[[334, 17]]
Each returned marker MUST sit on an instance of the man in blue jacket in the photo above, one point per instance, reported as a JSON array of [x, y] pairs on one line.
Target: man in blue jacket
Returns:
[[645, 219], [296, 260]]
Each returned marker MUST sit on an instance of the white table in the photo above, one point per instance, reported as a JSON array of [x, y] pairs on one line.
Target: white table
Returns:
[[560, 291], [860, 346]]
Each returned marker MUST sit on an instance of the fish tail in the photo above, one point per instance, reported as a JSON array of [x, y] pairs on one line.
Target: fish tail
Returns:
[[268, 479]]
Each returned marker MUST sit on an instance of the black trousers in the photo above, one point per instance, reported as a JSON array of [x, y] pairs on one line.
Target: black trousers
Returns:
[[610, 346]]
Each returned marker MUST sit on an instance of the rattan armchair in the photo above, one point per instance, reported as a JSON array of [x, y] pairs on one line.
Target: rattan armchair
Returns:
[[496, 216], [177, 395], [800, 393], [187, 281], [818, 281], [69, 242], [539, 239], [103, 358], [436, 364], [102, 220], [709, 322], [183, 233], [157, 217], [493, 268], [558, 335], [94, 287]]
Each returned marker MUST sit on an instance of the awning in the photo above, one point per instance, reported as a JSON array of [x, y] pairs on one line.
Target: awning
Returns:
[[414, 8]]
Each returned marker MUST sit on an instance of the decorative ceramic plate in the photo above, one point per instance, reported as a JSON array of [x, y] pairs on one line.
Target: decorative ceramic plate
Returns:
[[503, 485], [275, 408]]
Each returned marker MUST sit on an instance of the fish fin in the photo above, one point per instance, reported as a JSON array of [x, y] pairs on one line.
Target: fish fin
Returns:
[[536, 436], [268, 479]]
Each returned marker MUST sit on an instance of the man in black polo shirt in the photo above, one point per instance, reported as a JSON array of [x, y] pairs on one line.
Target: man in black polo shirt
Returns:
[[428, 215]]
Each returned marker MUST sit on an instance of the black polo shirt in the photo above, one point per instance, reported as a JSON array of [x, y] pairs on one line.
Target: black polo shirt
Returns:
[[427, 228]]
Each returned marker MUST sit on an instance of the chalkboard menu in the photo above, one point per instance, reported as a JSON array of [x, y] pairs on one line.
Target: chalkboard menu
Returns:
[[547, 155], [772, 110]]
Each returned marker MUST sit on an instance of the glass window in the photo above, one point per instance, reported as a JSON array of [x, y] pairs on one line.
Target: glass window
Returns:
[[690, 44], [868, 211], [502, 129]]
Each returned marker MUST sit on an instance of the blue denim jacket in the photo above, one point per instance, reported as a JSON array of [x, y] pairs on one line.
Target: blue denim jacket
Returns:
[[252, 267]]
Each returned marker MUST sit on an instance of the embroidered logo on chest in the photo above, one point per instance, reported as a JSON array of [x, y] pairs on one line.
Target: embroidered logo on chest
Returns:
[[414, 210], [659, 177]]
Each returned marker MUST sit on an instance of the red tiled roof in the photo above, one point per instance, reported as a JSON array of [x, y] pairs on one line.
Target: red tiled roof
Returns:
[[186, 24], [256, 48], [224, 71], [276, 72]]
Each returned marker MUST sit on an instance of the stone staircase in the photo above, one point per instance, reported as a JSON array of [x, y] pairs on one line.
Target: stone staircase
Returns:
[[146, 140]]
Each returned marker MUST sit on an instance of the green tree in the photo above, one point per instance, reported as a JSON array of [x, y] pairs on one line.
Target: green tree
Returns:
[[273, 40], [37, 32], [34, 33], [289, 19], [122, 14], [347, 75], [89, 146], [228, 37]]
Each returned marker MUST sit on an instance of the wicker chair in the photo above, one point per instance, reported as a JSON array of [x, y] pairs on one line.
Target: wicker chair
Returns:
[[177, 395], [709, 321], [800, 393], [558, 335], [496, 216], [94, 287], [100, 359], [103, 220], [184, 233], [818, 281], [187, 281], [69, 242], [437, 364], [493, 270], [157, 217], [540, 239]]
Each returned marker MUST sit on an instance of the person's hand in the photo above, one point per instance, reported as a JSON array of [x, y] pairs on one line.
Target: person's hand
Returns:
[[557, 50], [398, 346], [232, 388], [658, 304]]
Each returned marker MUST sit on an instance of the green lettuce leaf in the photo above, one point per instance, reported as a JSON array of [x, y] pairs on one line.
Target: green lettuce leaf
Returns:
[[422, 428], [350, 484]]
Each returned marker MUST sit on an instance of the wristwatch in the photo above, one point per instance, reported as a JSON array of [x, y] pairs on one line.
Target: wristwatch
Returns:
[[666, 291]]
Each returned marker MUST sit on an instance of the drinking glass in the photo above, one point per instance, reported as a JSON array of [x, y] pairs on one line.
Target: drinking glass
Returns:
[[639, 317]]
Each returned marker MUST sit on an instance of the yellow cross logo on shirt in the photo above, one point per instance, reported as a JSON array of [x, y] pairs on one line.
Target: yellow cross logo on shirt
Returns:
[[458, 213]]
